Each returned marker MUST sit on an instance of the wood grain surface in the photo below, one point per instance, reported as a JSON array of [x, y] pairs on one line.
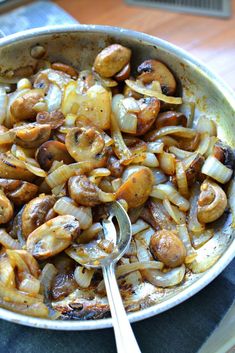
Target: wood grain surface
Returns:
[[210, 39]]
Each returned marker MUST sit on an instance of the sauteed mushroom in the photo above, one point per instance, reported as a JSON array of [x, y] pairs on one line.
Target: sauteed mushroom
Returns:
[[6, 209], [69, 70], [123, 74], [137, 188], [224, 154], [32, 135], [23, 107], [168, 248], [11, 167], [115, 167], [111, 60], [86, 193], [212, 202], [51, 151], [55, 119], [83, 191], [154, 70], [193, 170], [18, 191], [52, 237], [149, 108], [86, 145], [171, 118], [36, 213]]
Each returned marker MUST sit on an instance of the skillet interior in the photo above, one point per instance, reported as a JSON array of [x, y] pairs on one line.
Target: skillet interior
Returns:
[[78, 45]]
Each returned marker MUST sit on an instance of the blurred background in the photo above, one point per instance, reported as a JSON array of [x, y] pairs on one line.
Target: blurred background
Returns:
[[205, 28]]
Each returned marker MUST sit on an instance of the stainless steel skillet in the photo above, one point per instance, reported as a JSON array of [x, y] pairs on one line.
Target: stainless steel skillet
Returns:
[[78, 45]]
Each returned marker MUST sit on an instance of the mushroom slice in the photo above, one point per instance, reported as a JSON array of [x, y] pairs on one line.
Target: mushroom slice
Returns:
[[86, 145], [224, 154], [212, 202], [51, 151], [137, 188], [171, 118], [154, 70], [193, 165], [111, 60], [52, 237], [6, 209], [86, 193], [149, 109], [18, 191], [36, 213], [32, 135], [23, 107], [55, 118], [11, 167]]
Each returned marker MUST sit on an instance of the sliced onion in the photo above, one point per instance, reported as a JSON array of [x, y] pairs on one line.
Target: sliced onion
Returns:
[[142, 252], [155, 147], [7, 274], [17, 301], [59, 190], [35, 170], [7, 137], [100, 172], [200, 239], [174, 213], [150, 160], [30, 285], [137, 87], [121, 150], [204, 144], [139, 226], [212, 143], [90, 233], [83, 276], [59, 176], [165, 279], [53, 98], [181, 179], [207, 126], [131, 105], [168, 191], [184, 236], [167, 163], [175, 130], [193, 223], [159, 176], [105, 196], [7, 241], [179, 153], [48, 274], [116, 184], [66, 206], [123, 270], [70, 120], [127, 121], [216, 170], [3, 104]]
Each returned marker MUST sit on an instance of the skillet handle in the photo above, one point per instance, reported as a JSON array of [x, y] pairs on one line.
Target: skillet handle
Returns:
[[33, 15], [125, 339]]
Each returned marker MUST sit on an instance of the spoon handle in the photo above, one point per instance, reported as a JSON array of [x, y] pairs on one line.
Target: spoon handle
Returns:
[[125, 339]]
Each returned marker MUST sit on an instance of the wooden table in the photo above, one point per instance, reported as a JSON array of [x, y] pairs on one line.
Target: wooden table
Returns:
[[210, 39]]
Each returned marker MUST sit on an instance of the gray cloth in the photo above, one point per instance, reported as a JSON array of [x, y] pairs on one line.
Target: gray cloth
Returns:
[[182, 329]]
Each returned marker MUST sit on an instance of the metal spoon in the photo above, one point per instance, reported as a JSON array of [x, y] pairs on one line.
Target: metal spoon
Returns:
[[125, 339]]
